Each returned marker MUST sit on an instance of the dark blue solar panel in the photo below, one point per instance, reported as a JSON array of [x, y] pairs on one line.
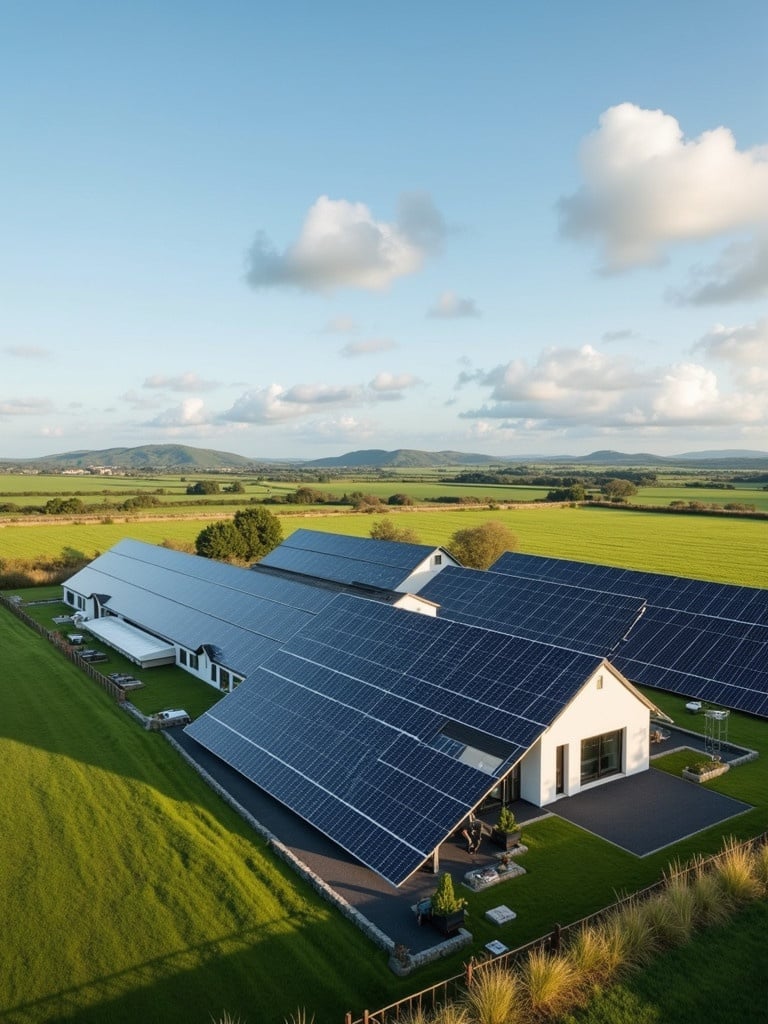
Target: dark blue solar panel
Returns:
[[353, 705], [193, 601], [348, 560], [699, 639], [721, 600], [554, 613]]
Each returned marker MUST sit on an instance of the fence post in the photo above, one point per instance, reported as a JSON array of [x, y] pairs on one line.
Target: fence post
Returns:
[[554, 939]]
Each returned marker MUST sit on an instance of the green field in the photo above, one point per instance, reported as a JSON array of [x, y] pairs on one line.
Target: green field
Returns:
[[727, 551], [135, 894], [741, 494], [128, 890]]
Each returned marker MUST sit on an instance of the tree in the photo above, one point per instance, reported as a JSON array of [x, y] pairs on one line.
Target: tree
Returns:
[[261, 531], [235, 488], [400, 499], [618, 489], [385, 529], [222, 541], [479, 547], [203, 487]]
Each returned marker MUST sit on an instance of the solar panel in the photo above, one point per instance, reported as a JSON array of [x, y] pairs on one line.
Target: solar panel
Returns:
[[193, 601], [343, 724], [721, 600], [554, 613], [349, 560], [703, 640]]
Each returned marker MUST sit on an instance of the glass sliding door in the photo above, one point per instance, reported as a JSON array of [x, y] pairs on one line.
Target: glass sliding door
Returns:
[[601, 756]]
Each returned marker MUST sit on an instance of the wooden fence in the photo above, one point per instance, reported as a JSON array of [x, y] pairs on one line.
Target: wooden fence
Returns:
[[429, 999], [69, 652]]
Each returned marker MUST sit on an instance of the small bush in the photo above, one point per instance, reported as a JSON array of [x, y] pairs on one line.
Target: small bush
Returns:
[[587, 953], [737, 873], [710, 906], [494, 997], [548, 982]]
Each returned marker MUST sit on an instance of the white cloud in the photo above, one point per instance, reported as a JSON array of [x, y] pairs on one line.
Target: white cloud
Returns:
[[25, 406], [450, 306], [384, 381], [572, 390], [341, 245], [27, 352], [367, 347], [181, 382], [190, 413], [342, 429], [744, 349], [340, 325], [275, 403], [741, 273], [647, 187]]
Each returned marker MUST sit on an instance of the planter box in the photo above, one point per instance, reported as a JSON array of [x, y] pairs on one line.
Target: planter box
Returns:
[[448, 924], [694, 777], [506, 840]]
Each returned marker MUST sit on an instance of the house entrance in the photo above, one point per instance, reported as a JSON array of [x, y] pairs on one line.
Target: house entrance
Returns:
[[505, 792]]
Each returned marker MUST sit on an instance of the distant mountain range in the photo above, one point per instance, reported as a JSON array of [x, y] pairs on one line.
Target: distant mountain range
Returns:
[[183, 458]]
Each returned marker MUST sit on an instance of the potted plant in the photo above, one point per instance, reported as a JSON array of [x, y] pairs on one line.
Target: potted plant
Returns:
[[448, 909], [506, 832]]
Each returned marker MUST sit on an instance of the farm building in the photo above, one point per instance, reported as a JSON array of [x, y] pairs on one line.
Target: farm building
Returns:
[[380, 728]]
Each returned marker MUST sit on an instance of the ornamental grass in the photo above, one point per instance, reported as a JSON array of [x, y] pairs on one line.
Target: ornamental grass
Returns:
[[495, 997], [549, 983], [737, 873]]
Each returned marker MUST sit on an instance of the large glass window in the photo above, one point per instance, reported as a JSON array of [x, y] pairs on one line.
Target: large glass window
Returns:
[[600, 756]]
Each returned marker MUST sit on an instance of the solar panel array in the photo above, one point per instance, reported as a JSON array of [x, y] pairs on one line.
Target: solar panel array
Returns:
[[707, 641], [554, 613], [329, 556], [195, 601], [721, 600], [344, 723]]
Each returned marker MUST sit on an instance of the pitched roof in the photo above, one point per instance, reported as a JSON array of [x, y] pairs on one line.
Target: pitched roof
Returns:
[[196, 601], [331, 556], [353, 724]]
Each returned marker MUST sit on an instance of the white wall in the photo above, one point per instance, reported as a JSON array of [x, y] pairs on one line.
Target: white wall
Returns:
[[426, 571], [595, 710]]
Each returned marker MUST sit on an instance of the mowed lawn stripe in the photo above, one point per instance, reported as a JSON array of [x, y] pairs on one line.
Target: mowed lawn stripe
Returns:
[[129, 891]]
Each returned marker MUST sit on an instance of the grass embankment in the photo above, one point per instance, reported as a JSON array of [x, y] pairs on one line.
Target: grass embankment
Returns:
[[129, 891]]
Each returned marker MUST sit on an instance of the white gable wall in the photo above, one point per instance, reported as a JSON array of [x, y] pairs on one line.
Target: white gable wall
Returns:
[[604, 704], [426, 570]]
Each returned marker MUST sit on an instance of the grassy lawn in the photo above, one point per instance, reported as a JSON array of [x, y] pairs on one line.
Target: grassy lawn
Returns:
[[129, 891], [718, 977]]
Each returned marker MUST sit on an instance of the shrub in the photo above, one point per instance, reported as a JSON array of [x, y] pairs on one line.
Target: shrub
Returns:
[[588, 954], [445, 900], [494, 997], [506, 821], [737, 873], [548, 982]]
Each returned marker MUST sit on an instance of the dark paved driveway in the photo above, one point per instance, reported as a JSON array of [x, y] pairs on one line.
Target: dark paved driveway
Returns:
[[648, 811]]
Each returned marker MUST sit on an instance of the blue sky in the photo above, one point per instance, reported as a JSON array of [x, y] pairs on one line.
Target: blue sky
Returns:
[[297, 229]]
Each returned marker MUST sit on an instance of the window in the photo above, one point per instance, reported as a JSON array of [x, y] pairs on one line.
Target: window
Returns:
[[601, 756], [438, 559], [70, 597], [224, 679], [214, 671], [182, 656], [193, 661]]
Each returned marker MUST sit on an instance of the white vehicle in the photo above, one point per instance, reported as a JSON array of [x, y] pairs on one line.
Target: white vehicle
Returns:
[[175, 716]]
